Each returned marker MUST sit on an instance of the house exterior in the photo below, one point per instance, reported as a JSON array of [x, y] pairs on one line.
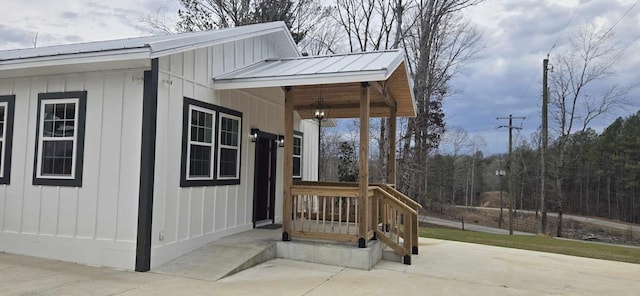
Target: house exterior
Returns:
[[97, 162], [129, 153]]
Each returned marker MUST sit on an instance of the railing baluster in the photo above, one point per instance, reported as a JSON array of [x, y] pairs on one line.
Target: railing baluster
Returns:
[[309, 203], [295, 211], [348, 214], [356, 222], [396, 227], [317, 209], [324, 214], [333, 213], [340, 214]]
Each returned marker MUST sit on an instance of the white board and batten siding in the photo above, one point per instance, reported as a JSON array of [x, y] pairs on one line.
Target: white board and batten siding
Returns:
[[310, 144], [93, 224], [185, 218]]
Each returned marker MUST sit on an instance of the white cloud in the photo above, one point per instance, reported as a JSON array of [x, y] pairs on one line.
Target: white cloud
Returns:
[[60, 22]]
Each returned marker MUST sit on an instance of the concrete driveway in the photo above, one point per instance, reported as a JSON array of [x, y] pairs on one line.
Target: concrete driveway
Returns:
[[442, 268]]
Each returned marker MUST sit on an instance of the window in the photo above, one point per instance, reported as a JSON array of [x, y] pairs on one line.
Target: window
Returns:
[[200, 164], [6, 136], [297, 155], [229, 147], [210, 145], [60, 139]]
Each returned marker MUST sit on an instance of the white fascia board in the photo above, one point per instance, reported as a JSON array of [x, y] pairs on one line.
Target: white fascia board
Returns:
[[393, 65], [81, 58], [293, 80]]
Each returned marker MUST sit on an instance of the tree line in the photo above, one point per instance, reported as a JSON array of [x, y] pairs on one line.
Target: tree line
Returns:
[[601, 173]]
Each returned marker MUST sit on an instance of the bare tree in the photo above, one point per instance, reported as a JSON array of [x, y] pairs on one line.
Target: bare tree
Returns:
[[324, 37], [300, 16], [439, 45], [161, 21], [574, 93]]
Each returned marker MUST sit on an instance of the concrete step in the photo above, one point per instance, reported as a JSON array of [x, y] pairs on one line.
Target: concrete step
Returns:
[[337, 254], [388, 254]]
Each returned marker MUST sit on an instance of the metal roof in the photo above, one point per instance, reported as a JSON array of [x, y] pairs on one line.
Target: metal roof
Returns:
[[143, 47], [342, 68], [335, 78]]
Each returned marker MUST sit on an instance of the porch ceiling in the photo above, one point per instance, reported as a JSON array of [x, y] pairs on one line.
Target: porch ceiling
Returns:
[[337, 79]]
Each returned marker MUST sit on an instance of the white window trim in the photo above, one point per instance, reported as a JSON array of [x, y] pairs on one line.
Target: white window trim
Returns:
[[3, 137], [211, 145], [300, 155], [42, 138], [237, 148]]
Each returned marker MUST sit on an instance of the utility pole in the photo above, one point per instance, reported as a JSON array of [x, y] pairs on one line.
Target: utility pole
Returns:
[[511, 166], [543, 149]]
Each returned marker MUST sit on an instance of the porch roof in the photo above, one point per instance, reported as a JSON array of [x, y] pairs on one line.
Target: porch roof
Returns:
[[335, 78]]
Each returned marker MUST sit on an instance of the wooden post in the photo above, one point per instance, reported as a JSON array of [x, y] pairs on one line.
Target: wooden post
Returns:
[[287, 199], [391, 170], [414, 232], [363, 161]]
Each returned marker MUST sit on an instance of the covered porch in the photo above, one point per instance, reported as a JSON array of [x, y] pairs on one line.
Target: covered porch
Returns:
[[360, 85]]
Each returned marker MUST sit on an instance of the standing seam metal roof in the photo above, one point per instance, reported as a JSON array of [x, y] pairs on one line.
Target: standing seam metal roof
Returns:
[[157, 45], [382, 62]]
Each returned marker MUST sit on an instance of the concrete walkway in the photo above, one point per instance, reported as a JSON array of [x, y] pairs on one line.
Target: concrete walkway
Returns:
[[442, 268]]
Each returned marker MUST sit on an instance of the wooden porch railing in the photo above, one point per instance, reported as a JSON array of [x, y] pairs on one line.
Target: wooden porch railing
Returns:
[[330, 211]]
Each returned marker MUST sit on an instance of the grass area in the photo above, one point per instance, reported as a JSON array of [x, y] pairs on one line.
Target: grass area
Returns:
[[537, 243]]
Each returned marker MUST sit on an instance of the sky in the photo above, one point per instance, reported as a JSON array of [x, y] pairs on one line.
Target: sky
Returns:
[[504, 79]]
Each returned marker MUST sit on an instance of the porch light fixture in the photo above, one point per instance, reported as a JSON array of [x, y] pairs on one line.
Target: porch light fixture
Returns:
[[319, 110], [280, 141], [254, 134]]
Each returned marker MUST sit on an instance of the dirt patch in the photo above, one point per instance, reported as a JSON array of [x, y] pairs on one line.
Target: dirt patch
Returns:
[[491, 199], [527, 222]]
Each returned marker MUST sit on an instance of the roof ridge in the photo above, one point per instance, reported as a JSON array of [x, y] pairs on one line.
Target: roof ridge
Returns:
[[334, 55]]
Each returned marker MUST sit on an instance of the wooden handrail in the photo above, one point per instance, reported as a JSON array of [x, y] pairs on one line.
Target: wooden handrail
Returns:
[[325, 183], [401, 196], [397, 202]]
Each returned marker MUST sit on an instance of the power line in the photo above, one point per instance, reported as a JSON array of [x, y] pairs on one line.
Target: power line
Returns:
[[619, 54], [565, 26], [622, 17]]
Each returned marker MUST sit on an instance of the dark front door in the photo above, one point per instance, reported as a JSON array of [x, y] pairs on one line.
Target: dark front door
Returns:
[[264, 179]]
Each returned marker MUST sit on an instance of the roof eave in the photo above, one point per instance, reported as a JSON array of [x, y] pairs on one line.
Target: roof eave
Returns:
[[411, 92], [293, 80], [76, 58]]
